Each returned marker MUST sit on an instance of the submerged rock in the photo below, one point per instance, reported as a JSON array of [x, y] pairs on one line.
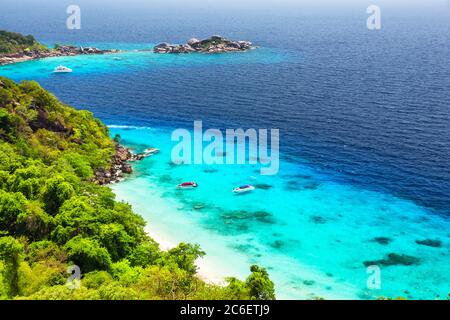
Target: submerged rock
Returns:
[[241, 220], [165, 178], [382, 240], [430, 243], [277, 244], [311, 186], [318, 219], [262, 186], [309, 282], [264, 217], [199, 206], [394, 259], [298, 184], [245, 247]]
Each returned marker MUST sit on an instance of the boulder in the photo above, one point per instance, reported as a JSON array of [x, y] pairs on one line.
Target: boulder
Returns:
[[126, 168], [217, 38], [192, 42], [162, 45]]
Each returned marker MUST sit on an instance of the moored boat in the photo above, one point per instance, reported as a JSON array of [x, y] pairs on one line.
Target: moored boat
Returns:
[[187, 185], [243, 189], [62, 69]]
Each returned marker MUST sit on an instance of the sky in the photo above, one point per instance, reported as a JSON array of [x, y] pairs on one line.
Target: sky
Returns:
[[416, 8], [247, 3]]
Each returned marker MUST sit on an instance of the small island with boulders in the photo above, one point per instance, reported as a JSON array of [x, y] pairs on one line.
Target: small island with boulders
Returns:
[[214, 44]]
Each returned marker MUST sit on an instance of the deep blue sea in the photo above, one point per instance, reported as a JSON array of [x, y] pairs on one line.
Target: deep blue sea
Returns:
[[363, 115]]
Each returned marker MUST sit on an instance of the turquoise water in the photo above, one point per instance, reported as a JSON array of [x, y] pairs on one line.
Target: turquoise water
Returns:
[[132, 58], [311, 233]]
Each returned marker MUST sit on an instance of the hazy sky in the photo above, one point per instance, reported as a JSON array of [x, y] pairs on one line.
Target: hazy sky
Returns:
[[283, 7], [248, 3], [273, 3]]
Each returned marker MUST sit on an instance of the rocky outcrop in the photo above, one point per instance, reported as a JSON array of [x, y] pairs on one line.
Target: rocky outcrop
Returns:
[[214, 44], [120, 165], [58, 51]]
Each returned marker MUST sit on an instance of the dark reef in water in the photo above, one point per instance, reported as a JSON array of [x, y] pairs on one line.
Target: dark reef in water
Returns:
[[318, 219], [309, 282], [245, 248], [198, 206], [262, 186], [302, 185], [393, 259], [237, 220], [382, 240], [277, 244], [430, 243], [165, 178], [311, 186], [261, 216]]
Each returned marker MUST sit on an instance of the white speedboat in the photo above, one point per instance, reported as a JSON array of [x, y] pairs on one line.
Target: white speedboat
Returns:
[[62, 69], [243, 189], [187, 185], [150, 151]]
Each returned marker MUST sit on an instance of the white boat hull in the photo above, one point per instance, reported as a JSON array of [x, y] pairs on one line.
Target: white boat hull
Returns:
[[238, 190]]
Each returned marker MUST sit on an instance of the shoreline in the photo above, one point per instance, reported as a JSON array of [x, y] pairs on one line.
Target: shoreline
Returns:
[[204, 270], [62, 51], [125, 157]]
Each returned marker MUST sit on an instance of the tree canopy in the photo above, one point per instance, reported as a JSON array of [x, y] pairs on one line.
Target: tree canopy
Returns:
[[11, 42]]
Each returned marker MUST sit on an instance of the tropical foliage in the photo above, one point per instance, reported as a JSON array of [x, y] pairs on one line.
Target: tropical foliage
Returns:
[[53, 216], [11, 42]]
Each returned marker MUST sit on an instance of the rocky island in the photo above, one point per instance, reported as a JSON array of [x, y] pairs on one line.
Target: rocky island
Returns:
[[15, 47], [214, 44]]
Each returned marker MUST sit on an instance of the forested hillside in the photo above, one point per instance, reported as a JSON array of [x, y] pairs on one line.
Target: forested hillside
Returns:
[[53, 216], [11, 42]]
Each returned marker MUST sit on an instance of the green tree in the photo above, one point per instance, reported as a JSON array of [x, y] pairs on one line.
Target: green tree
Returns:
[[11, 252], [56, 191], [237, 289], [87, 254], [94, 279], [259, 284], [12, 205], [184, 256], [145, 254], [115, 239]]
